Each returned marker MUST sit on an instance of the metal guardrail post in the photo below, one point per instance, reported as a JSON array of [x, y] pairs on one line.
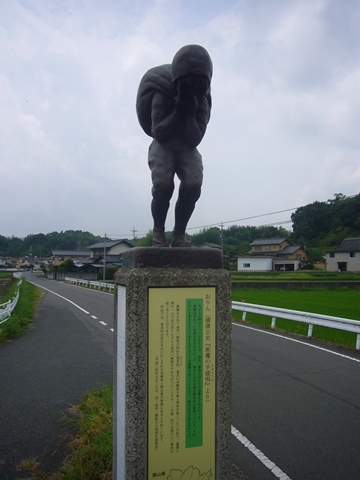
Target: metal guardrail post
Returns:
[[311, 319], [310, 330]]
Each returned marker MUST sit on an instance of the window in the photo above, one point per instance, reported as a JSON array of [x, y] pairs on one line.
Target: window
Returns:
[[332, 255], [258, 247], [246, 265], [352, 254]]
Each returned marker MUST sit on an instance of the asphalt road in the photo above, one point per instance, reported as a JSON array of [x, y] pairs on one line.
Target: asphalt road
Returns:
[[295, 408], [65, 354], [299, 405]]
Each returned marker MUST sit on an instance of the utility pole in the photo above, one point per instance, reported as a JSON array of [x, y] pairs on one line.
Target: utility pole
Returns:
[[222, 236], [104, 259], [134, 232]]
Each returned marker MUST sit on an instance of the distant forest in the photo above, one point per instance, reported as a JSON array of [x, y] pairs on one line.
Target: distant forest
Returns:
[[41, 245], [319, 226]]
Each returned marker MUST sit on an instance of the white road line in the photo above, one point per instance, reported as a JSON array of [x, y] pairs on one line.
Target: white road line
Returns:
[[297, 341], [64, 298], [275, 470], [72, 303]]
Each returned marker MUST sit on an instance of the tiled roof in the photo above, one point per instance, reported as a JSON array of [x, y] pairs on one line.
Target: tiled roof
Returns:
[[268, 241], [289, 250], [349, 245], [71, 253], [211, 245], [108, 244]]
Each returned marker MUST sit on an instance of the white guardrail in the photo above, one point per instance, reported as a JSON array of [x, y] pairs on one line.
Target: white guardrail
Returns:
[[310, 318], [90, 283], [305, 317], [7, 307]]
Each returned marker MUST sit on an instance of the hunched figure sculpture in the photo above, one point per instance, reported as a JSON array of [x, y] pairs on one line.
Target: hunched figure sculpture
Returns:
[[173, 106]]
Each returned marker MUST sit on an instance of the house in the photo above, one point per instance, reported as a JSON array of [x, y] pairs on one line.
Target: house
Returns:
[[268, 245], [272, 254], [109, 247], [59, 256], [210, 245], [345, 258], [108, 252]]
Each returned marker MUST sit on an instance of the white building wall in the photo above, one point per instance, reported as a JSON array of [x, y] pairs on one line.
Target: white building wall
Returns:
[[246, 264], [117, 249], [353, 263]]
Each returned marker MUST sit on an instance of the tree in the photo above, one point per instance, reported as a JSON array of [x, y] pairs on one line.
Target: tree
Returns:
[[311, 221], [145, 241], [207, 235], [41, 245], [67, 266]]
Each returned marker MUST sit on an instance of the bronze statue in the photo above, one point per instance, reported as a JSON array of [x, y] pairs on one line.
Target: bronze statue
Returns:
[[173, 106]]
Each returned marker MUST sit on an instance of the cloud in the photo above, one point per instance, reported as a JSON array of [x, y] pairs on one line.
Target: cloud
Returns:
[[284, 125]]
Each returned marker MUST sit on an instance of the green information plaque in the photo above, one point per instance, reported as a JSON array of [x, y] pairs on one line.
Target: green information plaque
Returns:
[[181, 383]]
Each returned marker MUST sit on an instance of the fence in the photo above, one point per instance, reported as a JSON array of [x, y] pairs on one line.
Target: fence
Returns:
[[90, 283], [310, 318], [59, 275], [7, 307]]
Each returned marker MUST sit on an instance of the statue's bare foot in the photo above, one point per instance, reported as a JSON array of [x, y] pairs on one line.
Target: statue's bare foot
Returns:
[[179, 240], [159, 239]]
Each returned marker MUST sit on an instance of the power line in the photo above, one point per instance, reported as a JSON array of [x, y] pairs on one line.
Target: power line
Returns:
[[245, 218], [124, 235], [233, 221], [262, 215], [133, 231], [276, 223]]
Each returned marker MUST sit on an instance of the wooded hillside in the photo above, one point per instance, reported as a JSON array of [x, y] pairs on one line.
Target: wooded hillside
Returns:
[[41, 245], [319, 226], [324, 225]]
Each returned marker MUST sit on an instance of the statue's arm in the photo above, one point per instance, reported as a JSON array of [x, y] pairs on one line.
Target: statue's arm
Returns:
[[167, 116], [164, 118], [196, 118]]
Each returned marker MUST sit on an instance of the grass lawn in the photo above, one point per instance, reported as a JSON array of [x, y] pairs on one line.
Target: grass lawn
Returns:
[[339, 303], [296, 276], [24, 311]]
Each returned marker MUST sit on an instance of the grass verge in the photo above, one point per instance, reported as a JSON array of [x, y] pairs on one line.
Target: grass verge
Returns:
[[91, 446], [24, 311], [339, 303], [92, 449]]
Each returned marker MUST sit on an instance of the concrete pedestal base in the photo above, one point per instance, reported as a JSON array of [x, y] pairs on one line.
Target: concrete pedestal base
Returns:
[[147, 299]]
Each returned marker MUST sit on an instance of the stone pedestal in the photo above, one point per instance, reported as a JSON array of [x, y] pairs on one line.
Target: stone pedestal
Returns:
[[172, 365]]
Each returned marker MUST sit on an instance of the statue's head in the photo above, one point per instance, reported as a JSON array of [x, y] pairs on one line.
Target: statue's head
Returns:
[[194, 63]]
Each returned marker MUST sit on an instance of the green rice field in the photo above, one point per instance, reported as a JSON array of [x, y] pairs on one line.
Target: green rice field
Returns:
[[342, 302]]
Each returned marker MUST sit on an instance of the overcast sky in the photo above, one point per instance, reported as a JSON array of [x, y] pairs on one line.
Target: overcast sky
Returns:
[[284, 130]]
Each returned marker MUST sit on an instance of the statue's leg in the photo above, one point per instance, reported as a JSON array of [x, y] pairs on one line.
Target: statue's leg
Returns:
[[190, 173], [162, 175]]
